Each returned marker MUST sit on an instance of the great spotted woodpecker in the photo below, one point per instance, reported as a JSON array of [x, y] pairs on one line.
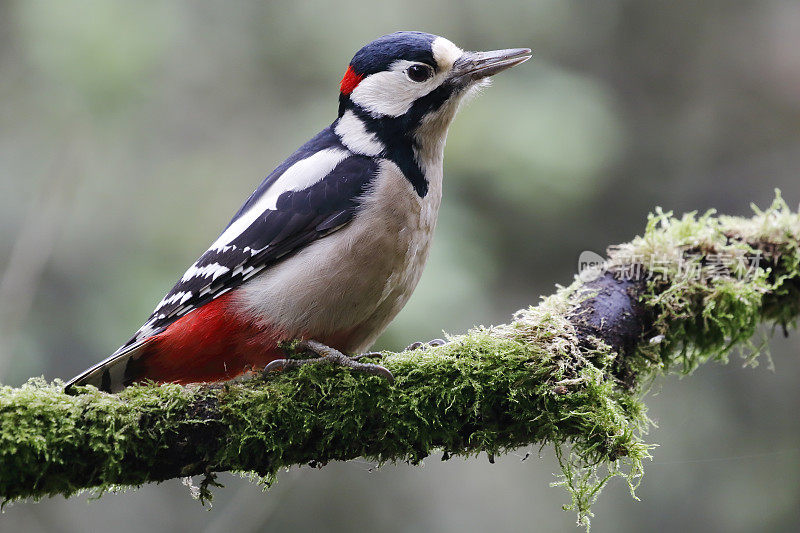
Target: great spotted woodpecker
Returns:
[[331, 245]]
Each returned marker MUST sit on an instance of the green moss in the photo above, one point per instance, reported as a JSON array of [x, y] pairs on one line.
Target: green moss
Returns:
[[529, 382], [746, 273], [480, 393]]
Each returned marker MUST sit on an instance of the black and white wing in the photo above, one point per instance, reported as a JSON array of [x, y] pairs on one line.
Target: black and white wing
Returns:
[[315, 192]]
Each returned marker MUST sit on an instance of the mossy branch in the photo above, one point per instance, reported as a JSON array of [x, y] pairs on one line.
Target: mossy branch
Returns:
[[568, 372]]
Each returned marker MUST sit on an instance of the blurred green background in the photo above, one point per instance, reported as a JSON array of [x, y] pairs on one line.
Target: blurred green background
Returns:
[[131, 131]]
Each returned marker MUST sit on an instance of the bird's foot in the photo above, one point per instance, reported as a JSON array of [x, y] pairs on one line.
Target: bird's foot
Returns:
[[330, 355], [419, 344]]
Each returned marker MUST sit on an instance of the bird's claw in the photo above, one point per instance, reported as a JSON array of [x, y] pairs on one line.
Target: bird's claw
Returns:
[[332, 356], [419, 344], [365, 355]]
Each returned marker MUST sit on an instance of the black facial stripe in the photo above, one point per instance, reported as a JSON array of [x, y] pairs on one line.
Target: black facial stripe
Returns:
[[429, 103], [397, 133], [399, 143]]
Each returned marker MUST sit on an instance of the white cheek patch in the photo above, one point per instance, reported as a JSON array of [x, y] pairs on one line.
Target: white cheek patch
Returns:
[[355, 136], [388, 93], [391, 93], [299, 176], [445, 53]]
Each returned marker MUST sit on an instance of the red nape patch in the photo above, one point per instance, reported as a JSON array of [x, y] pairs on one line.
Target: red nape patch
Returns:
[[350, 80], [211, 343]]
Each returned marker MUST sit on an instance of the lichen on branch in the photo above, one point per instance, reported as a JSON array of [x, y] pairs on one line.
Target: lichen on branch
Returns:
[[569, 372]]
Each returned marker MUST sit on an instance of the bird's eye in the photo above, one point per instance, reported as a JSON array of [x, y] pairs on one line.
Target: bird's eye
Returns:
[[419, 73]]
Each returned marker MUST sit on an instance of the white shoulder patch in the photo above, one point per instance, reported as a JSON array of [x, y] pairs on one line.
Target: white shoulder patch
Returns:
[[297, 177], [355, 136]]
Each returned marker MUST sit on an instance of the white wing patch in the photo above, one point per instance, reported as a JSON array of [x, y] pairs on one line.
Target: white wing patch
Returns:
[[299, 176], [214, 270], [173, 298]]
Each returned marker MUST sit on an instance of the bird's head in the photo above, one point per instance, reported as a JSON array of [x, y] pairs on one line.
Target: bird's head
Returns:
[[406, 87]]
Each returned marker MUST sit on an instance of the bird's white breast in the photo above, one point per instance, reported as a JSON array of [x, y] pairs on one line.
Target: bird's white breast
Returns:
[[358, 278]]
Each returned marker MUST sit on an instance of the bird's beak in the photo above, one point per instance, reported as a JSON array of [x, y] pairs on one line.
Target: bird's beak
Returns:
[[474, 66]]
